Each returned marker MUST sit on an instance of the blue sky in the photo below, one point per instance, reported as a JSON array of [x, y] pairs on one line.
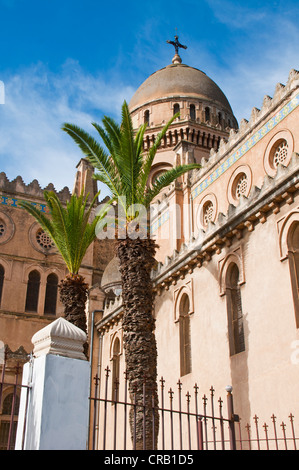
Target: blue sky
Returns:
[[75, 61]]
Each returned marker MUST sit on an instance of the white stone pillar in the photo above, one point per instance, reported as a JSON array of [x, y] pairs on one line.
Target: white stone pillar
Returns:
[[58, 401]]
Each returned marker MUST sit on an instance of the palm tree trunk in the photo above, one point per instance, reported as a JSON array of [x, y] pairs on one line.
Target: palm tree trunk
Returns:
[[137, 258], [73, 292]]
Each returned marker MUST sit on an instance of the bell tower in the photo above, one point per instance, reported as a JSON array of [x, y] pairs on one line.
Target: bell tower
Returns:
[[84, 179]]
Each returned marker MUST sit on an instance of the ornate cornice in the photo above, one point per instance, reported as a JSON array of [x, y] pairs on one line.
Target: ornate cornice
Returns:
[[252, 210], [262, 121]]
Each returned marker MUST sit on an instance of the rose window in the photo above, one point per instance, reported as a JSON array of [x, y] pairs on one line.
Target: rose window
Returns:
[[44, 240], [2, 228], [281, 154], [208, 213], [241, 186]]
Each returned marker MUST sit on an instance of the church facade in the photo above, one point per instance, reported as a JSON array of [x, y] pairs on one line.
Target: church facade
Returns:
[[227, 274], [226, 281]]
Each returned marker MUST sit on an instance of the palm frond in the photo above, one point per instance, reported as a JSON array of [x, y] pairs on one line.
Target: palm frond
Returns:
[[69, 227], [129, 166], [166, 179], [147, 165], [124, 168], [95, 153]]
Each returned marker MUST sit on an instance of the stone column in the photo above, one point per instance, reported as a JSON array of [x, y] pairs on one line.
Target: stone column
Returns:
[[54, 415]]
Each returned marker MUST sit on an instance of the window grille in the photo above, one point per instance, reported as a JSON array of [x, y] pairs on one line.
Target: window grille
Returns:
[[44, 240]]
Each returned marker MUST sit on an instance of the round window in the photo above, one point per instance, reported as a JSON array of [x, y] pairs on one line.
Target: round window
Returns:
[[208, 212], [44, 240], [280, 154], [2, 228], [7, 228], [241, 186]]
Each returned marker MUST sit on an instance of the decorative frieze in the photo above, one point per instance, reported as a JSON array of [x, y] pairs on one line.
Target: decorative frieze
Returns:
[[231, 227], [231, 148]]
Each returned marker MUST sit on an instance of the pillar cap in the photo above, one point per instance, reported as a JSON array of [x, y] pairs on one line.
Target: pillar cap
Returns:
[[60, 338]]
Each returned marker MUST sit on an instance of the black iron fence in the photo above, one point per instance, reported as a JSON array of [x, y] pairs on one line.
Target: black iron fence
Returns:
[[10, 391], [186, 421]]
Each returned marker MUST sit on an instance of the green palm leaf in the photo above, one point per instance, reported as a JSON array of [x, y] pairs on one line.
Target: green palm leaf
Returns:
[[124, 167], [70, 227]]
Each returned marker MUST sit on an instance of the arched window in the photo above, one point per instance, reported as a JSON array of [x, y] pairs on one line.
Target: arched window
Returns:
[[1, 281], [220, 119], [51, 294], [10, 410], [176, 108], [293, 256], [115, 369], [192, 112], [207, 114], [32, 291], [234, 311], [185, 342], [9, 402], [146, 117]]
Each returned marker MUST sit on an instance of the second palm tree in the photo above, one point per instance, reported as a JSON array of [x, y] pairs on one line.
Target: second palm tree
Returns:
[[123, 166]]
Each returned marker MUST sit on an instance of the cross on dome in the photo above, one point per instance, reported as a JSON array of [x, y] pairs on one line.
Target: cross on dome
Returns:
[[176, 59]]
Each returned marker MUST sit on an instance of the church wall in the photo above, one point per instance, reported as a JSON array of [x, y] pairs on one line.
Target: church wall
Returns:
[[270, 323], [264, 372], [22, 251], [252, 163], [247, 232], [208, 332]]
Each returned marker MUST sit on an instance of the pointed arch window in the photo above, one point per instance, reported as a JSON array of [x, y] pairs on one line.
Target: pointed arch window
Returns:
[[32, 291], [9, 414], [11, 405], [115, 369], [2, 272], [192, 112], [293, 256], [234, 311], [147, 117], [207, 114], [185, 341], [220, 119], [51, 295], [176, 108]]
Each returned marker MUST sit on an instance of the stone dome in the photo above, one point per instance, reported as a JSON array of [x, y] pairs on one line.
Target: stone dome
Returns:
[[111, 279], [179, 80]]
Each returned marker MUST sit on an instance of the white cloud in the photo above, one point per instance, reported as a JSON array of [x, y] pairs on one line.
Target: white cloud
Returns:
[[237, 16], [37, 102]]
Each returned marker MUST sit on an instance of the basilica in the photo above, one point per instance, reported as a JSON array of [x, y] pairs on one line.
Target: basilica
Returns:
[[227, 273]]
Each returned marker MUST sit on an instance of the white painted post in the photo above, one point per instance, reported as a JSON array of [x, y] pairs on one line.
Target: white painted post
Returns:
[[58, 404]]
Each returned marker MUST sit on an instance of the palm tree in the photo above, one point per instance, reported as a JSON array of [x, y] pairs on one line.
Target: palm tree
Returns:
[[72, 231], [122, 165]]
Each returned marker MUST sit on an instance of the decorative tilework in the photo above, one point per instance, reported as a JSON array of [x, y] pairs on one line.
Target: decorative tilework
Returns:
[[260, 134], [14, 202], [160, 221]]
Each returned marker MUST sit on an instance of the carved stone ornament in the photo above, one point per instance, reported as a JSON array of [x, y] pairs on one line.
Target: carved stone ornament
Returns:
[[60, 338]]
